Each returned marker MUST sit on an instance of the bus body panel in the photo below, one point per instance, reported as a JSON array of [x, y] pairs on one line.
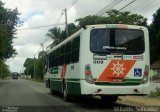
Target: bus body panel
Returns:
[[98, 66]]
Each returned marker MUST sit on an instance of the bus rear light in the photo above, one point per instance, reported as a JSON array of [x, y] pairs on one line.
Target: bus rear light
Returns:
[[88, 74], [146, 74]]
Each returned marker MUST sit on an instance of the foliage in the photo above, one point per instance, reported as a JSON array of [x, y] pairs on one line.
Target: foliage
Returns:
[[8, 20], [58, 36], [90, 20], [155, 94], [154, 30], [4, 70], [42, 54], [114, 17], [55, 34], [30, 63]]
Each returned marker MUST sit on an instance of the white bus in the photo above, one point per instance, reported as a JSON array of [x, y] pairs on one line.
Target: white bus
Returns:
[[108, 60]]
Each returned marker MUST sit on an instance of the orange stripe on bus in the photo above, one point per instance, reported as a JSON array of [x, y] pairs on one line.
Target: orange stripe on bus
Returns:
[[116, 69]]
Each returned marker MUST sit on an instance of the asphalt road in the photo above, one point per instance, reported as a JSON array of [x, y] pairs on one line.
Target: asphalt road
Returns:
[[29, 96]]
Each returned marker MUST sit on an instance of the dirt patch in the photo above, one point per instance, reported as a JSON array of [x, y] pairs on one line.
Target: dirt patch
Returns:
[[139, 101]]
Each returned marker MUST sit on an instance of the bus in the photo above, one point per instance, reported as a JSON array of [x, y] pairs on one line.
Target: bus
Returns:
[[107, 60], [15, 75]]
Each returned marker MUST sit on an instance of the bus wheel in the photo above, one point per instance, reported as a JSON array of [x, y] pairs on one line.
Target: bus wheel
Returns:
[[65, 94], [109, 99], [52, 92]]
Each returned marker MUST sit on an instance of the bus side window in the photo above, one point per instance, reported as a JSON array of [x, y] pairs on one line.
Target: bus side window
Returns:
[[54, 59], [62, 55], [57, 57], [75, 49], [68, 53]]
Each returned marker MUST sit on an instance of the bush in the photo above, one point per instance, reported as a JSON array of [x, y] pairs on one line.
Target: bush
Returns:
[[155, 94]]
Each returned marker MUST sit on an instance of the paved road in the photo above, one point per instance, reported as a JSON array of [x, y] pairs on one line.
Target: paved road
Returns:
[[27, 96]]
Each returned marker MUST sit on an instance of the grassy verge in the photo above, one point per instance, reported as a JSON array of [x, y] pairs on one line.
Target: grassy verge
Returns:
[[37, 80], [155, 94]]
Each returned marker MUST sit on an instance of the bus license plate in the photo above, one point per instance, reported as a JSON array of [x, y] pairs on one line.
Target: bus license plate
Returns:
[[117, 80]]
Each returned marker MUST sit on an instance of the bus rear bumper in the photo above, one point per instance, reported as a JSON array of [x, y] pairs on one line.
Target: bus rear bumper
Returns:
[[92, 89]]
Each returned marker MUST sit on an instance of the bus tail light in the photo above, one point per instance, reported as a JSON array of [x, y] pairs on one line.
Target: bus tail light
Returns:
[[88, 74], [146, 74]]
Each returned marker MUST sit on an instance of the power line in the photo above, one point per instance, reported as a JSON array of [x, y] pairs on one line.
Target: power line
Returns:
[[127, 5], [73, 3], [108, 7], [102, 10], [151, 3], [57, 22], [59, 18], [37, 27]]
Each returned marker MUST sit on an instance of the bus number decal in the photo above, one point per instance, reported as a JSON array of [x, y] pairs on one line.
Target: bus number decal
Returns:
[[98, 61]]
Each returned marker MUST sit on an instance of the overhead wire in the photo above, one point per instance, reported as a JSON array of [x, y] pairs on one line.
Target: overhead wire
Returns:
[[104, 9], [37, 27], [108, 7], [150, 3], [73, 3], [60, 17], [127, 5]]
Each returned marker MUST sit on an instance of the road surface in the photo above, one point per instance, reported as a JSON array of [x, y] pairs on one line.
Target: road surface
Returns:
[[29, 96]]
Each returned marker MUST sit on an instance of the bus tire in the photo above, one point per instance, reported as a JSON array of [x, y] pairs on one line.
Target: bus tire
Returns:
[[66, 97], [109, 99], [52, 92]]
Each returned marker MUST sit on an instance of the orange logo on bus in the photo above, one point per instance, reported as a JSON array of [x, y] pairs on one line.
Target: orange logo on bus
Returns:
[[116, 69]]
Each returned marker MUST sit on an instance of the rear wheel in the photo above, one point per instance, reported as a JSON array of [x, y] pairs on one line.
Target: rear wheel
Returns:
[[109, 98], [65, 94], [52, 92]]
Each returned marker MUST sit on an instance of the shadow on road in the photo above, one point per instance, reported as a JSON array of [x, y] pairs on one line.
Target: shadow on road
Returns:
[[89, 103]]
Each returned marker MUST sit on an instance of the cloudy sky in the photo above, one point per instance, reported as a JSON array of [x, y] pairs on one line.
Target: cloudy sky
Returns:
[[36, 13]]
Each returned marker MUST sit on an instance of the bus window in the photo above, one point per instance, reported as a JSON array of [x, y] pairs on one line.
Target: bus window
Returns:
[[127, 41], [68, 53], [130, 40], [75, 50], [62, 55]]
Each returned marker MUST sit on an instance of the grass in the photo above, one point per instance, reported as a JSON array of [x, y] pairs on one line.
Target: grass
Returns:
[[155, 94], [36, 80]]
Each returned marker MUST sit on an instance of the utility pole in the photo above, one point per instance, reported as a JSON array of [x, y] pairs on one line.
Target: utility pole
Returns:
[[65, 11]]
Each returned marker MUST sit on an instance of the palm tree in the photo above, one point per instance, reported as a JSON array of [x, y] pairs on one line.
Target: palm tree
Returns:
[[55, 34]]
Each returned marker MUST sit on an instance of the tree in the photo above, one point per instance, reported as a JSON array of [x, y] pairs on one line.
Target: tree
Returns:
[[55, 34], [90, 20], [72, 28], [114, 17], [30, 63], [42, 54], [8, 20], [4, 70], [154, 30]]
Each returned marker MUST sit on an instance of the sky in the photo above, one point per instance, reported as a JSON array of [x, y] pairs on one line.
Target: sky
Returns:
[[36, 13]]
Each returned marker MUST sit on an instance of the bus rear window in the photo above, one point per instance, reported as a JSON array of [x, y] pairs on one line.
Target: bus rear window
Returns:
[[126, 41]]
